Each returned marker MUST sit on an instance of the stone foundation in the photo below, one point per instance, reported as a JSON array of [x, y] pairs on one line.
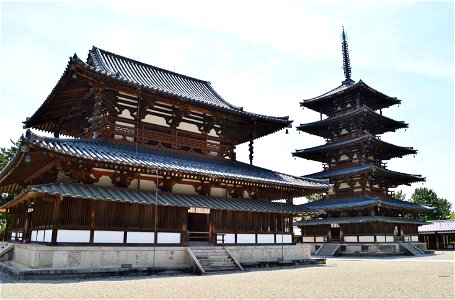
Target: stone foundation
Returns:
[[371, 248], [38, 256]]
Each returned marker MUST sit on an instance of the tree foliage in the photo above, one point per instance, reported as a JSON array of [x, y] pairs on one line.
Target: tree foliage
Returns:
[[6, 154], [428, 197], [314, 197], [399, 195]]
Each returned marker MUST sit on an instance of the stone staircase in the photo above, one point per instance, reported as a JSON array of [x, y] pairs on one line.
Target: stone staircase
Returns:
[[211, 259], [327, 250], [412, 249], [6, 250]]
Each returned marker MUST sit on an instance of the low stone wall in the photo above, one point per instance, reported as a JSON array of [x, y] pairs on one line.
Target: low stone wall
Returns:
[[370, 248], [42, 256], [252, 254]]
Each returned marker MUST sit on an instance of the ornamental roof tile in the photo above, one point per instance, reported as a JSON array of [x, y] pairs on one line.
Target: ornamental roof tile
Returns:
[[438, 226], [362, 219], [85, 191], [149, 158], [362, 202]]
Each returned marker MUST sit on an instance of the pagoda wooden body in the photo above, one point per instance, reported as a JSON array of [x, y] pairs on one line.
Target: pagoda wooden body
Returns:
[[360, 206], [150, 159]]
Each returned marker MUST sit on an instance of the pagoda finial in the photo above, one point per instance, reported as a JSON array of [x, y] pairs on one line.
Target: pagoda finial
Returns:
[[346, 62]]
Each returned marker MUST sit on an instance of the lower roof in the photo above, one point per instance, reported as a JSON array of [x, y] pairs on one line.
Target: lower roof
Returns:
[[362, 219], [92, 192], [363, 202], [438, 226]]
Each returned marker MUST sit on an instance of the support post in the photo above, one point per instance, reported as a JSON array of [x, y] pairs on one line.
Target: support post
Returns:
[[56, 219]]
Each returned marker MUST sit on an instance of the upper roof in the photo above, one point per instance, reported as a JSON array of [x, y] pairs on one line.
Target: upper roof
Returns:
[[375, 123], [155, 78], [112, 153], [438, 226], [385, 149], [361, 203], [362, 219], [86, 191], [360, 90], [372, 168], [72, 89]]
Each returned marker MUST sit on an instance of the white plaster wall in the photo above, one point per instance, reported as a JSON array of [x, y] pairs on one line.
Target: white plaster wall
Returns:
[[366, 239], [414, 238], [350, 239], [133, 184], [319, 239], [283, 238], [389, 238], [147, 185], [380, 239], [104, 236], [246, 238], [140, 237], [34, 234], [218, 192], [229, 238], [184, 189], [168, 238], [40, 236], [266, 238], [307, 239], [155, 120], [47, 235], [188, 127], [126, 114], [73, 236], [104, 181]]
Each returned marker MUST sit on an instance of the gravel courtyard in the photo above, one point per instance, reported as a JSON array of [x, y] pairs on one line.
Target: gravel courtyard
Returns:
[[430, 277]]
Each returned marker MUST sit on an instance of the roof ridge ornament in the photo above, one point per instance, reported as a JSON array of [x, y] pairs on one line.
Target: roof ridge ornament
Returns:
[[346, 62]]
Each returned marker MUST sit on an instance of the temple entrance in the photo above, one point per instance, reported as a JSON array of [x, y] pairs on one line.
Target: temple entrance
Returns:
[[198, 224], [335, 233]]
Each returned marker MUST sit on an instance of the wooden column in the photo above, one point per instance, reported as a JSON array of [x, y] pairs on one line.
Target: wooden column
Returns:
[[92, 220], [56, 219]]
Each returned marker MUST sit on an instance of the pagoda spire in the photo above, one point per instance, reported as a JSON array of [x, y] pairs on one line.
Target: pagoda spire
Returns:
[[346, 62]]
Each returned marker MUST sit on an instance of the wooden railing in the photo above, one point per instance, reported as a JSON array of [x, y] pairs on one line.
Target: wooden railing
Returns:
[[176, 139]]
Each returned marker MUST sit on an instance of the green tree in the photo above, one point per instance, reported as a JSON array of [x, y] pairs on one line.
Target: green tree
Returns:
[[6, 154], [399, 195], [428, 197], [314, 197]]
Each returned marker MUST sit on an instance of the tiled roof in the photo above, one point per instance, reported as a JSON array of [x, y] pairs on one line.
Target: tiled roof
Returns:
[[85, 191], [362, 219], [342, 144], [362, 202], [364, 168], [346, 87], [379, 119], [164, 81], [438, 226], [164, 160]]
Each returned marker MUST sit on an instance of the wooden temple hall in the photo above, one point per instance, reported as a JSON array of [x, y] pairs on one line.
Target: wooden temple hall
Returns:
[[142, 155], [360, 207]]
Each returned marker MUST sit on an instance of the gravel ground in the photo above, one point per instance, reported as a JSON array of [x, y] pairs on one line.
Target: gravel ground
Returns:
[[431, 277]]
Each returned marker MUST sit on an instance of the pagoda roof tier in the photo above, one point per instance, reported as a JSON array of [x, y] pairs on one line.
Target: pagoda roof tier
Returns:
[[127, 156], [91, 192], [68, 107], [374, 170], [362, 219], [348, 91], [370, 121], [359, 203], [366, 142]]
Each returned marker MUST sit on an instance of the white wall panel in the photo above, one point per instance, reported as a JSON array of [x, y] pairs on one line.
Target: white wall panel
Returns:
[[73, 236], [283, 238], [319, 239], [366, 239], [229, 238], [34, 234], [140, 237], [47, 235], [350, 239], [308, 239], [266, 238], [108, 236], [389, 239], [168, 238]]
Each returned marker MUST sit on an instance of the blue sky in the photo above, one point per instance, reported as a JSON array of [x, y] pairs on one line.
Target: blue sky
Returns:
[[263, 55]]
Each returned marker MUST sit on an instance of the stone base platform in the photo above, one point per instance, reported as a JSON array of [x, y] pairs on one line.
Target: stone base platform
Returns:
[[371, 249], [39, 260]]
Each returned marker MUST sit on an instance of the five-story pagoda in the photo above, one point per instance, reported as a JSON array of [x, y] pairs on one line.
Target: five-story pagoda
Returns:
[[360, 207]]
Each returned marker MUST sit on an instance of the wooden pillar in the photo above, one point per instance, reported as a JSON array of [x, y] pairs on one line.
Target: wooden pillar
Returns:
[[28, 218], [184, 226], [56, 219], [92, 220]]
